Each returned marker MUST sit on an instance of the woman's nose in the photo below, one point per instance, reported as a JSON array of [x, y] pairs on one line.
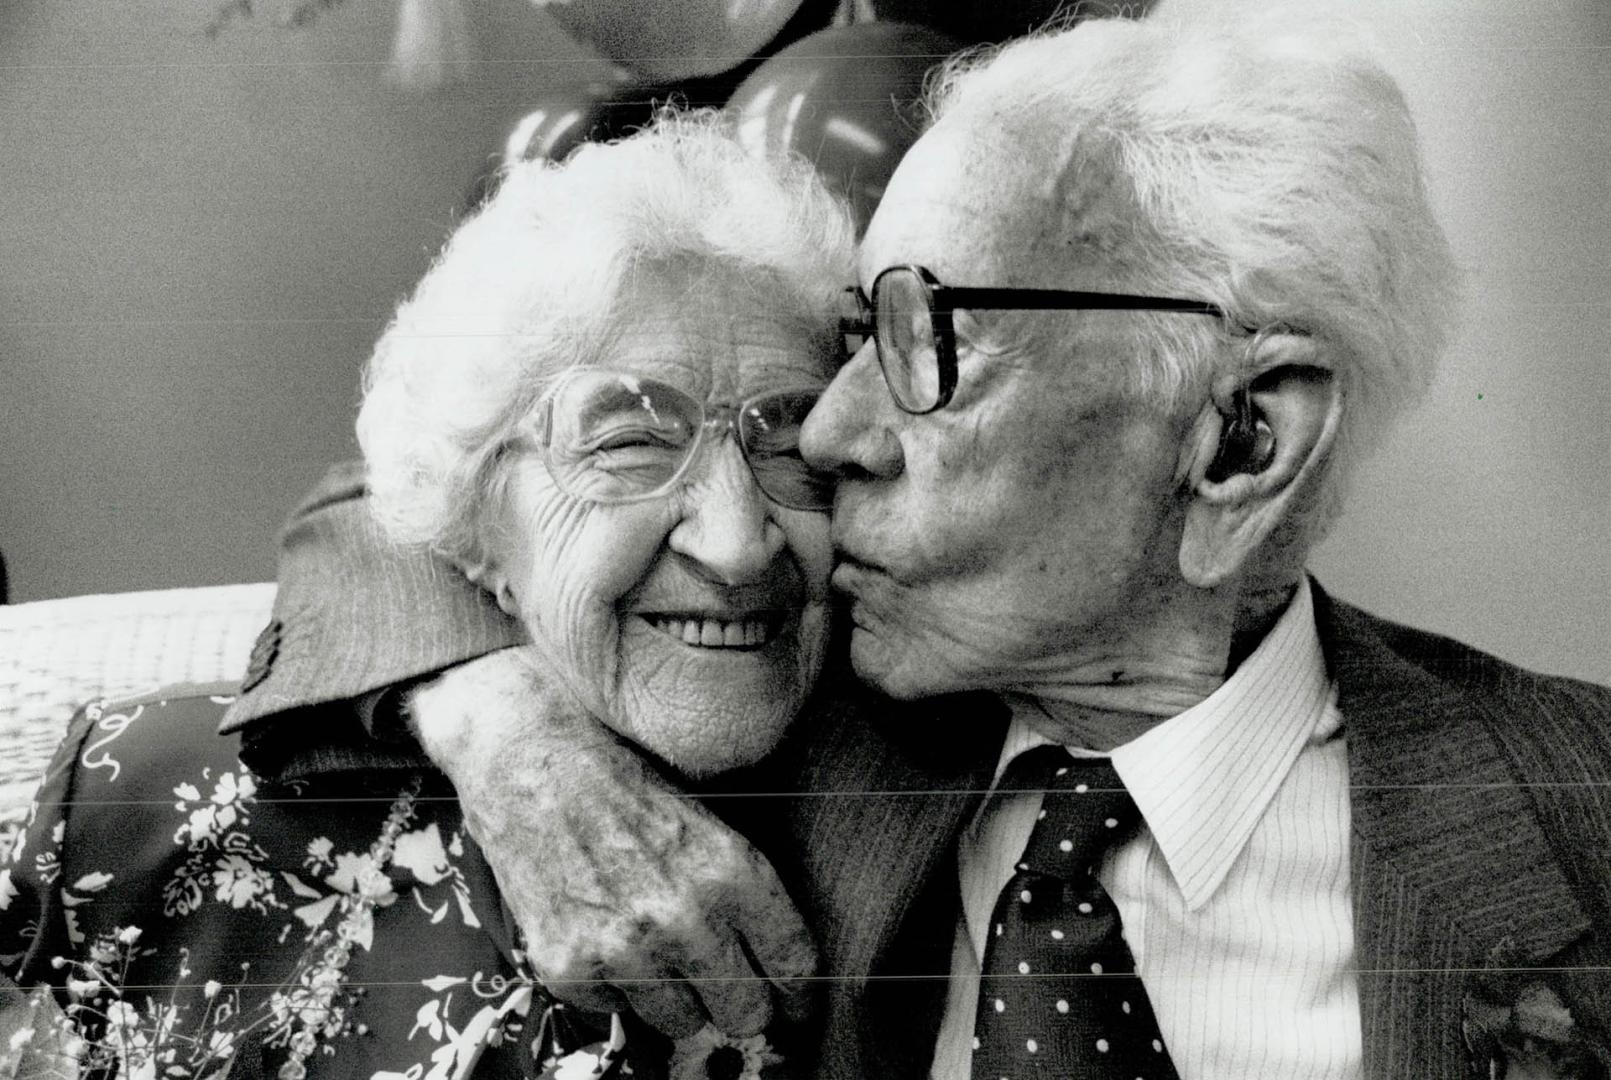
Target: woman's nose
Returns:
[[848, 431], [728, 530]]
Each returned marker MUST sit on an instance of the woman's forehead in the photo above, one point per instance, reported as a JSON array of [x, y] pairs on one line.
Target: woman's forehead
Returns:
[[728, 349]]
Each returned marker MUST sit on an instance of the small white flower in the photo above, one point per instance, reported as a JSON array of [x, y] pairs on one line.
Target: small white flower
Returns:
[[690, 1056], [129, 935], [140, 1068], [80, 988], [120, 1016], [580, 1065], [203, 823], [211, 989], [221, 1043], [325, 981]]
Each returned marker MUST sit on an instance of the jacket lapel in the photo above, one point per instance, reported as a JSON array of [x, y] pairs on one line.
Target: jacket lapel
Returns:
[[1451, 870], [893, 785]]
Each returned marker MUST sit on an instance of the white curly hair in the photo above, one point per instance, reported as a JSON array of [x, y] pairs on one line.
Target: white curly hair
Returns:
[[1270, 165], [532, 284]]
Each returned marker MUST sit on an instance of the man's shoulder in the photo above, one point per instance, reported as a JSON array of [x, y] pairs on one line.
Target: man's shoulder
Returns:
[[1443, 657], [355, 613], [1371, 654]]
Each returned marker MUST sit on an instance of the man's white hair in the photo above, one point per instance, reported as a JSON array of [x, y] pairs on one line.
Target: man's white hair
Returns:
[[1272, 170], [534, 284]]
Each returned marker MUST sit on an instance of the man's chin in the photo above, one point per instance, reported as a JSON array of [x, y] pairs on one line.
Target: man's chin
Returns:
[[888, 668]]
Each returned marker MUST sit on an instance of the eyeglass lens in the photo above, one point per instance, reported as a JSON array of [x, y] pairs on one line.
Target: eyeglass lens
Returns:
[[769, 433], [907, 349], [614, 437]]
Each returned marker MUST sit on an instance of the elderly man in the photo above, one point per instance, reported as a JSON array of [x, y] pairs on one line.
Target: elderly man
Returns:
[[1133, 307]]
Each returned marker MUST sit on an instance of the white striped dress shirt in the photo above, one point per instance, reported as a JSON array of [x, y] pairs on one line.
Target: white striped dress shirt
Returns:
[[1235, 893]]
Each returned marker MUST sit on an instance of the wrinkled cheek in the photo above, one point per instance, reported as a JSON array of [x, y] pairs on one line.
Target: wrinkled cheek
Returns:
[[583, 559], [578, 635]]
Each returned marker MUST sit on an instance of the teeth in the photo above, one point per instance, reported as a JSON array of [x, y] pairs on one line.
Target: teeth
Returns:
[[715, 633]]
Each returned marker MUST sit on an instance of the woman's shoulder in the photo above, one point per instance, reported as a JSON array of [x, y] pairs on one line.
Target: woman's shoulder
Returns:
[[155, 859], [105, 812], [118, 747]]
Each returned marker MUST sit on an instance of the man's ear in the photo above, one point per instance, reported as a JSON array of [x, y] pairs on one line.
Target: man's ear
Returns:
[[1285, 405]]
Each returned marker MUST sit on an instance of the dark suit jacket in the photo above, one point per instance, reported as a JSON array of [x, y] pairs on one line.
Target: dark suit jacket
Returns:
[[1481, 856]]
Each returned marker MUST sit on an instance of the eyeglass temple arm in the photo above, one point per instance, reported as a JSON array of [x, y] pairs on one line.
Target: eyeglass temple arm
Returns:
[[950, 297]]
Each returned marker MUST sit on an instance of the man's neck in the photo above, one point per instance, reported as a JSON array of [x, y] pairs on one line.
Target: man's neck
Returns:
[[1109, 695]]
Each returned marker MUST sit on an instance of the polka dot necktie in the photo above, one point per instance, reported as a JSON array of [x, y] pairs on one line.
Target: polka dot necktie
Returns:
[[1059, 995]]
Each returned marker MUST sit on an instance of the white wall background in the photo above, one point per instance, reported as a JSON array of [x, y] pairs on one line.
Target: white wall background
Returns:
[[1488, 515], [199, 241]]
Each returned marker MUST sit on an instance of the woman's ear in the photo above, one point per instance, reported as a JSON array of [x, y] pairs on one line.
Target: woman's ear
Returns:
[[1252, 451], [487, 572]]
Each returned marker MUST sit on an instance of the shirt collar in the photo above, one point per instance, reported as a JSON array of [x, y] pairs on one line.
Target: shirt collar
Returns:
[[363, 734], [1205, 777]]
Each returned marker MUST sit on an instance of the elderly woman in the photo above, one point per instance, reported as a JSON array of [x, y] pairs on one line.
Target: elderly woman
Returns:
[[590, 405]]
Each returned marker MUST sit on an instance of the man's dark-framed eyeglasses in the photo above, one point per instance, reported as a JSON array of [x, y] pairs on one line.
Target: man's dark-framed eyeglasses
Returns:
[[909, 318], [612, 437]]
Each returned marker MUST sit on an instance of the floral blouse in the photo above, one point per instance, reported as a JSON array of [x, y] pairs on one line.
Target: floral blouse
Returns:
[[192, 920]]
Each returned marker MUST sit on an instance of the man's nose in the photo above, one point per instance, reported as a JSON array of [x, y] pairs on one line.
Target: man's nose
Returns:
[[728, 530], [850, 430]]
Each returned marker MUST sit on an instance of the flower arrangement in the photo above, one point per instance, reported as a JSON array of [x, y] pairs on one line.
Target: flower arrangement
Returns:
[[102, 1032], [1517, 1025]]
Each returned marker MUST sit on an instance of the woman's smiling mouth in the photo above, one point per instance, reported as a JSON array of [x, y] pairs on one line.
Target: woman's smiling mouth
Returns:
[[750, 632]]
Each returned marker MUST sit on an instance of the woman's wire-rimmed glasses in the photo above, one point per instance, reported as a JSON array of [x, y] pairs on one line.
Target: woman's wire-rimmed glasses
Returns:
[[909, 316], [613, 437]]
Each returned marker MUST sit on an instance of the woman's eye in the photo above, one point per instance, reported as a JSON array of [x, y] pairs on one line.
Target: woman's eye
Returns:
[[633, 439]]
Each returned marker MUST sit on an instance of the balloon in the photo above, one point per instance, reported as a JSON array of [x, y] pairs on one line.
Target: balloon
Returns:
[[682, 39], [562, 119], [847, 99], [976, 23]]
